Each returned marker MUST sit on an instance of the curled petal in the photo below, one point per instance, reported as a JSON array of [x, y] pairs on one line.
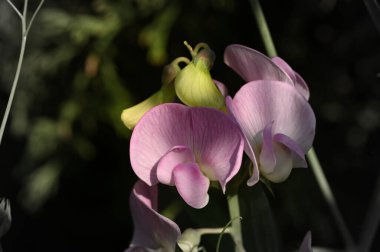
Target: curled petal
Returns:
[[132, 115], [191, 184], [252, 65], [218, 144], [152, 231], [162, 128], [195, 87], [299, 154], [177, 155], [283, 165]]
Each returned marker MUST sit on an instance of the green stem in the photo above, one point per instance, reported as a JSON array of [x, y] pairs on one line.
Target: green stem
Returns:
[[236, 233], [330, 199], [263, 28], [313, 159]]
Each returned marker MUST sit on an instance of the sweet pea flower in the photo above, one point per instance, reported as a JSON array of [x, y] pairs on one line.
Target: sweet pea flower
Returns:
[[278, 124], [186, 147], [153, 232], [252, 65]]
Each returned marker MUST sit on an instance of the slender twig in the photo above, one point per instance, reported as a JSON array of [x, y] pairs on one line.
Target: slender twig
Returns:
[[24, 33], [313, 160], [15, 9], [34, 15]]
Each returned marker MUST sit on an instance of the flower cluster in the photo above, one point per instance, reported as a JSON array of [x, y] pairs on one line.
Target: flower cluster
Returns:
[[203, 138]]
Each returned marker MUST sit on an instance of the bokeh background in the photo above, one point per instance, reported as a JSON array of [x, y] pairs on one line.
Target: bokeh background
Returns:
[[64, 159]]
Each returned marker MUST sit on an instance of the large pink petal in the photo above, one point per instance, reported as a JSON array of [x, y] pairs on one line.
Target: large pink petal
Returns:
[[218, 144], [252, 65], [191, 184], [177, 155], [151, 230], [259, 103], [160, 129]]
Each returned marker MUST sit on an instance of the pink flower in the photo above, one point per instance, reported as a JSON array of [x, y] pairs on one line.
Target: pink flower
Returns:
[[273, 113], [252, 65], [186, 147], [153, 232]]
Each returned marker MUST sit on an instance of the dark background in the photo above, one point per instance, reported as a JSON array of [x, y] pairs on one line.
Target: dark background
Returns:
[[64, 159]]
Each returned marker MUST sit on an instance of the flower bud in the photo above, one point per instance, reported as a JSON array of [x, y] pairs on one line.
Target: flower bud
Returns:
[[194, 85]]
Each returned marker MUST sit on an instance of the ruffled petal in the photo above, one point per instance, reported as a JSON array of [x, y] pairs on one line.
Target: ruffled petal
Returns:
[[218, 144], [152, 231], [158, 131], [252, 65], [191, 184], [177, 155]]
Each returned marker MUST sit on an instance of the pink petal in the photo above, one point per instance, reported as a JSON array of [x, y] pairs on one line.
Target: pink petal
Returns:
[[177, 155], [157, 132], [191, 184], [252, 65], [151, 230], [247, 147], [299, 83], [283, 164], [217, 144]]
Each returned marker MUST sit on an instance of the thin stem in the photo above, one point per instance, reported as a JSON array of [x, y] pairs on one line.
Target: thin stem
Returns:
[[236, 233], [34, 16], [263, 28], [330, 199], [205, 231], [15, 9], [24, 33], [13, 90]]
